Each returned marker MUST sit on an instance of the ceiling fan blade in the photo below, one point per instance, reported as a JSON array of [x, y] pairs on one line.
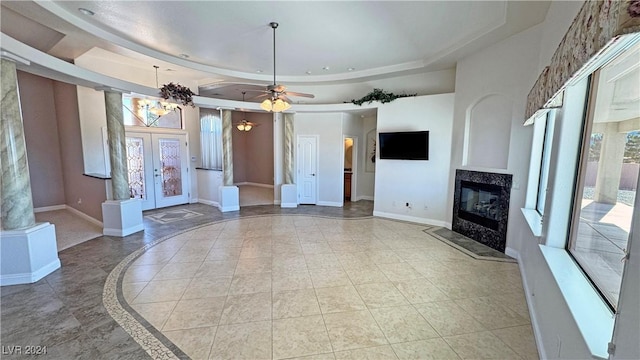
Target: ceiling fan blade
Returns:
[[285, 98], [293, 93], [259, 97], [256, 91]]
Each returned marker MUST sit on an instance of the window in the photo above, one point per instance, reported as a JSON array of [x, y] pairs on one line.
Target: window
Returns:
[[547, 129], [211, 140], [145, 113], [608, 175]]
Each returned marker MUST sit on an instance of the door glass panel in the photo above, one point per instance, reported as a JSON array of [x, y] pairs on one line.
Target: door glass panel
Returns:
[[135, 164], [170, 164]]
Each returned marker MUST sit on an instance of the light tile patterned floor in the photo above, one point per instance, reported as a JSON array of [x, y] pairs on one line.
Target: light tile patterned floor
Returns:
[[280, 287]]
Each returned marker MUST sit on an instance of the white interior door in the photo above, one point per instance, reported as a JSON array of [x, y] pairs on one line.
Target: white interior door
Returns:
[[308, 169], [158, 169], [170, 166]]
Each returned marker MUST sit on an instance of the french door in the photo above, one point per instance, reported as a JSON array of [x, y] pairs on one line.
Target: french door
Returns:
[[158, 168]]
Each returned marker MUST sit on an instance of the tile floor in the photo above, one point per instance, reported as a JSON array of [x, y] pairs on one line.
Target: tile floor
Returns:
[[333, 284]]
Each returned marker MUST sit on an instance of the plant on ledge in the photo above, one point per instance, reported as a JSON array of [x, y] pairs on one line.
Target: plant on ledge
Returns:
[[177, 92], [379, 95]]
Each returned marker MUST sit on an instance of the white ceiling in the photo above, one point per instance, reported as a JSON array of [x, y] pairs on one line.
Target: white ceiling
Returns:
[[231, 40]]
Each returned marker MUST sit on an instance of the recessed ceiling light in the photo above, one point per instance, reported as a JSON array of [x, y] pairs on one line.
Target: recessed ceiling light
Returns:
[[325, 68], [351, 69], [86, 11], [184, 56], [259, 71], [169, 69], [308, 72]]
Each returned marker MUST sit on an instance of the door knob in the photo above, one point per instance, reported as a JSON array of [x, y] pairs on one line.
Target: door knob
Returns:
[[313, 174], [157, 175]]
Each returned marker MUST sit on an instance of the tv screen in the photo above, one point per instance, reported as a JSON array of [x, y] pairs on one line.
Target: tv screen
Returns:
[[408, 145]]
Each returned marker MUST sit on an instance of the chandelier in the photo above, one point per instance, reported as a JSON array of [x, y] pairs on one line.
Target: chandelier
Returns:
[[156, 107]]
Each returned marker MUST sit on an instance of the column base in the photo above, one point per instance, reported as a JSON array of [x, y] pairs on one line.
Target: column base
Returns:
[[28, 255], [122, 217], [289, 196], [229, 198]]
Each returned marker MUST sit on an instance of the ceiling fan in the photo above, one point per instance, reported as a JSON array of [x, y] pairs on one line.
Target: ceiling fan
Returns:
[[277, 96]]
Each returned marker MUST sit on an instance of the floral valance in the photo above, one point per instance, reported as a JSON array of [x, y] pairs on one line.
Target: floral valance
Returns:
[[596, 28]]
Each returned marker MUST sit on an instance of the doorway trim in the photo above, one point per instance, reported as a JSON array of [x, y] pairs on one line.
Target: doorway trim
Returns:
[[354, 167]]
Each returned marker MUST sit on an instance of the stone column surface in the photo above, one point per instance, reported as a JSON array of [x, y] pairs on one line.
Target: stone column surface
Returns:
[[117, 146], [15, 183], [610, 165], [288, 148], [227, 148]]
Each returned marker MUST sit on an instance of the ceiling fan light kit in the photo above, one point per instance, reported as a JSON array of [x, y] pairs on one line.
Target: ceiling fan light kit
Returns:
[[244, 126]]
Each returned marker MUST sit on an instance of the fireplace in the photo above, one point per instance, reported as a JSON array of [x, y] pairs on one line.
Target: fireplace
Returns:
[[481, 207]]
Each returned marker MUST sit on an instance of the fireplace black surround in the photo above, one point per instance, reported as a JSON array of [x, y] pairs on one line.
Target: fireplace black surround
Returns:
[[481, 207]]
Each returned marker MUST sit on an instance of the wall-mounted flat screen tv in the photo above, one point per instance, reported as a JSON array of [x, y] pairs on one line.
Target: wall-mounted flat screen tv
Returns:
[[407, 145]]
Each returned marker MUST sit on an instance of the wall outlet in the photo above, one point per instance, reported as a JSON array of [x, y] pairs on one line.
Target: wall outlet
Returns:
[[79, 200]]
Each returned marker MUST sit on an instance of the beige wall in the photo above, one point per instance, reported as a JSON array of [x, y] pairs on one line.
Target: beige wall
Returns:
[[41, 135], [253, 150], [52, 133], [92, 191]]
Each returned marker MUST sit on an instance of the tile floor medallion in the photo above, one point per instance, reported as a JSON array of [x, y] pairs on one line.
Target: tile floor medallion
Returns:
[[170, 216], [290, 286]]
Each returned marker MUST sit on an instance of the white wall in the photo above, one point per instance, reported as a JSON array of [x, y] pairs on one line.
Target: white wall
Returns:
[[366, 180], [422, 184], [328, 126], [208, 183]]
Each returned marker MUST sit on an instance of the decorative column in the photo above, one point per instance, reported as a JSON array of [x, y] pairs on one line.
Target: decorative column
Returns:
[[122, 215], [228, 194], [227, 148], [15, 190], [289, 191], [117, 146], [28, 250], [288, 148]]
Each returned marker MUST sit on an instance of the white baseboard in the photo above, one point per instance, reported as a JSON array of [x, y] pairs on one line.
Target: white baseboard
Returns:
[[364, 197], [414, 219], [330, 203], [277, 202], [532, 311], [193, 201], [123, 232], [84, 216], [289, 205], [30, 278], [209, 202], [229, 208], [269, 186], [49, 208]]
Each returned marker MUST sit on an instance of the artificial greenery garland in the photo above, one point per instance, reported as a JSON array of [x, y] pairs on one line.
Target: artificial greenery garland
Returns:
[[379, 95], [177, 92]]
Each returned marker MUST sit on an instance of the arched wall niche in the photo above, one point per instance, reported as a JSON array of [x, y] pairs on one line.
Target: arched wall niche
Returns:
[[488, 132]]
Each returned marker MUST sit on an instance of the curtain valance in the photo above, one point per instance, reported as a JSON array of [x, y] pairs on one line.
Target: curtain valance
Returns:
[[595, 31]]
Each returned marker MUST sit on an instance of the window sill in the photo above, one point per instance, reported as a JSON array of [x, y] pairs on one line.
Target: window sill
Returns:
[[534, 219], [593, 317]]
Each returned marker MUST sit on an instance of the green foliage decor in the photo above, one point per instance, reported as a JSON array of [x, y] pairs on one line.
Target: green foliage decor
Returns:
[[178, 93], [379, 95]]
